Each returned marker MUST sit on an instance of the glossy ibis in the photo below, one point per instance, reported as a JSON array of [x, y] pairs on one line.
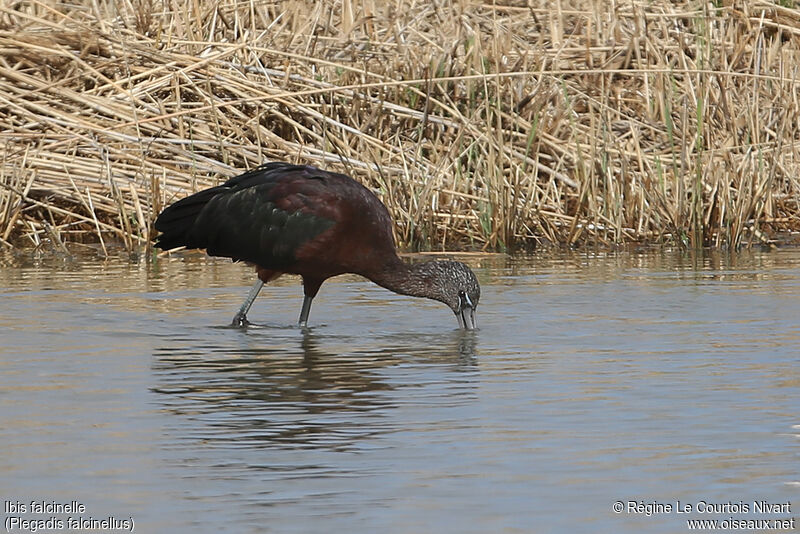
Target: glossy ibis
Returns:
[[298, 219]]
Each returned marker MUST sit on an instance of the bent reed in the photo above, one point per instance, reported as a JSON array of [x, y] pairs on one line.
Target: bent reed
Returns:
[[481, 125]]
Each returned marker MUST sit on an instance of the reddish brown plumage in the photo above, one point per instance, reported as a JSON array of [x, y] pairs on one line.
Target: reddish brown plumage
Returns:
[[302, 220]]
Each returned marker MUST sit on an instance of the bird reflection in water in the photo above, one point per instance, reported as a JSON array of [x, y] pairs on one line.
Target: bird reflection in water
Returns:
[[338, 397]]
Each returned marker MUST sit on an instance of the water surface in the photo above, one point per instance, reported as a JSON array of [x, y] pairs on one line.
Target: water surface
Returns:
[[594, 378]]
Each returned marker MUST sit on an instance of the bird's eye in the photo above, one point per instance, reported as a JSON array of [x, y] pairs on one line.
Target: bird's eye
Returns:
[[463, 299]]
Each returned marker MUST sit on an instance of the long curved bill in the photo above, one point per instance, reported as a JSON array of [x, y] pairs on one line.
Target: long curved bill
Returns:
[[466, 318]]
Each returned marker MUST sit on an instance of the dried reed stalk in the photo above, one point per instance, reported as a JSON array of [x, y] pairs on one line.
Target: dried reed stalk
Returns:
[[481, 126]]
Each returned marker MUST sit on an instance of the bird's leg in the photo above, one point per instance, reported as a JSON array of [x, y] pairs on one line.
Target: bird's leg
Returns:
[[240, 319], [304, 312]]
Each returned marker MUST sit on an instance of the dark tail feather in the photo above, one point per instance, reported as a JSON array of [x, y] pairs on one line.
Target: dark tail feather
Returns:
[[176, 221]]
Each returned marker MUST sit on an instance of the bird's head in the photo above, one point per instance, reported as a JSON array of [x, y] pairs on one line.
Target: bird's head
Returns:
[[460, 291]]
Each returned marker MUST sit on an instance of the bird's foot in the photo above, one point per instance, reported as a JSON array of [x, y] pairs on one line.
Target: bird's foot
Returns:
[[240, 321]]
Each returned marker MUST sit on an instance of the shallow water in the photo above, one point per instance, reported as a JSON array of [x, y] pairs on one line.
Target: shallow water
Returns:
[[594, 378]]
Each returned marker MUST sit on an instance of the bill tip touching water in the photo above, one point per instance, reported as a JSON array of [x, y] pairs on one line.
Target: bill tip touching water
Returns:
[[298, 219]]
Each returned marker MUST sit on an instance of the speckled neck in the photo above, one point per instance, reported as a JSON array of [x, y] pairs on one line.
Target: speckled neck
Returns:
[[414, 279]]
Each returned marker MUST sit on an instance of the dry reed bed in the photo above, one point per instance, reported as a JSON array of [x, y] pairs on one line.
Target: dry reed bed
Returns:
[[480, 125]]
